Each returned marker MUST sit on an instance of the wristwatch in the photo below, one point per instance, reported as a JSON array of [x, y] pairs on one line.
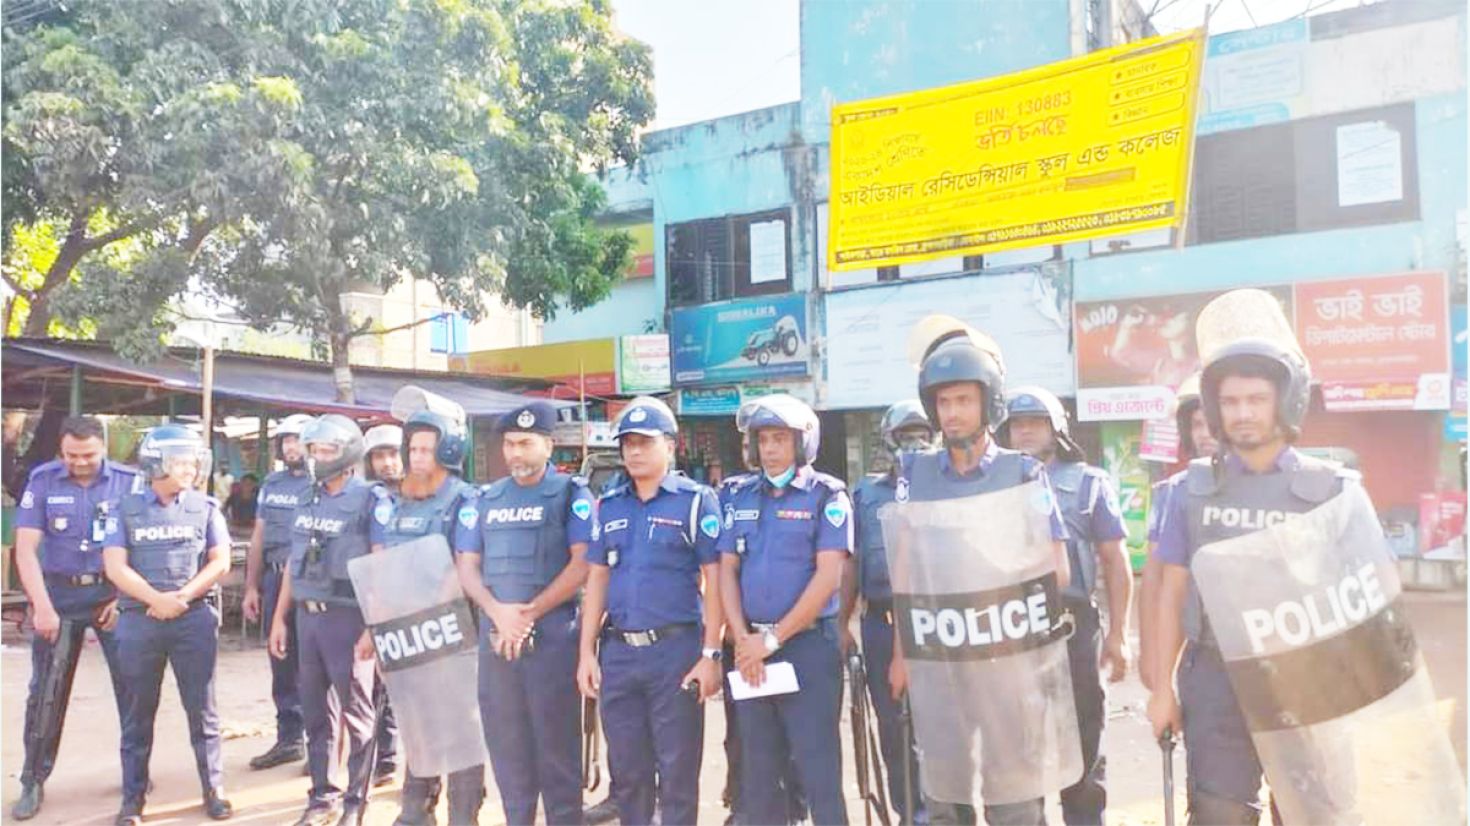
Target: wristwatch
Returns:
[[713, 654], [773, 643]]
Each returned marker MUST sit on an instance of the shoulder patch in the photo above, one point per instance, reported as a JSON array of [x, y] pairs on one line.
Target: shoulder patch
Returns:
[[709, 525], [468, 515], [901, 490], [383, 511], [28, 499], [581, 508], [836, 511]]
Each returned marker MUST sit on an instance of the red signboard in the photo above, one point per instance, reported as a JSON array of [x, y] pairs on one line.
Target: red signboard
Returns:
[[1378, 342]]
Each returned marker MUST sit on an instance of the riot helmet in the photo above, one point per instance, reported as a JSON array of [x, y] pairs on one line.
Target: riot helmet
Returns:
[[333, 429], [1039, 403], [905, 415], [449, 450], [784, 411], [1247, 329], [169, 443], [949, 351], [292, 425], [380, 437]]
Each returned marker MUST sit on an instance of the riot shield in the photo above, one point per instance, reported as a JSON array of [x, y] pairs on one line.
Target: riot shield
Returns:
[[978, 614], [425, 633], [1323, 663]]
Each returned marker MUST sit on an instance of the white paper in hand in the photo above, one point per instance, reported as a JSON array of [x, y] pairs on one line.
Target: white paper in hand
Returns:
[[780, 679]]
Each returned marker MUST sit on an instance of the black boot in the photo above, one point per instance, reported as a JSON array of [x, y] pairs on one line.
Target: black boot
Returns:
[[279, 755], [352, 814], [466, 795], [604, 812], [31, 795], [216, 806], [320, 813], [131, 813]]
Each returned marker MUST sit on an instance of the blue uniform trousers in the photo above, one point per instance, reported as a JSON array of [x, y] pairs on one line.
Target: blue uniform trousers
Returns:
[[1083, 803], [877, 632], [78, 605], [532, 713], [654, 729], [1224, 773], [190, 645], [284, 691], [336, 692], [801, 728]]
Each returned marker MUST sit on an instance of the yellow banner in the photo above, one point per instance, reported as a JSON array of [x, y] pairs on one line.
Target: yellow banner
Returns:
[[1093, 146]]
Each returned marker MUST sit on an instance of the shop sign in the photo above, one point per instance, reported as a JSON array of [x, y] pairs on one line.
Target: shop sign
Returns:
[[565, 363], [1378, 343], [1024, 311], [1092, 146], [737, 341], [1133, 353], [643, 364]]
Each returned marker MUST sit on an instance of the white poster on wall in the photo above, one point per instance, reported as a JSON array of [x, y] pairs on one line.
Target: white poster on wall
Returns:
[[767, 251], [1370, 167], [867, 364]]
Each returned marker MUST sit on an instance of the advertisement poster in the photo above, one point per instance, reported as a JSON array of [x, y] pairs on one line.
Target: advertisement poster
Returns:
[[1133, 353], [1092, 146], [725, 401], [643, 364], [1024, 312], [1379, 342], [1160, 441], [1121, 443], [733, 341], [1441, 519], [1455, 428]]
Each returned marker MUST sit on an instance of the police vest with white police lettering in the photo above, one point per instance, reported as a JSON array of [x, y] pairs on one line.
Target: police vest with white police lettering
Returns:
[[280, 495], [411, 519], [524, 534], [327, 533], [1227, 502], [165, 543]]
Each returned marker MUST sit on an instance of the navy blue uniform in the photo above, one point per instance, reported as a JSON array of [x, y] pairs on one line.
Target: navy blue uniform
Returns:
[[275, 506], [932, 476], [330, 530], [777, 538], [654, 729], [166, 545], [877, 631], [72, 520], [530, 706], [1090, 509]]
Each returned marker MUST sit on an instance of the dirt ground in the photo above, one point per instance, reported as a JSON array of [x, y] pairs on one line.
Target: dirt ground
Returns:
[[85, 786]]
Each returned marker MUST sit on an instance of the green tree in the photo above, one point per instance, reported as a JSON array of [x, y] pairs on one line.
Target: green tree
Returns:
[[282, 154]]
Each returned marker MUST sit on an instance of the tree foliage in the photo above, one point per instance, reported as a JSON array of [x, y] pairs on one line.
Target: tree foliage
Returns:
[[282, 153]]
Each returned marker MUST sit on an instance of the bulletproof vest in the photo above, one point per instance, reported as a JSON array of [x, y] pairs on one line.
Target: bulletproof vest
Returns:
[[327, 533], [165, 544], [926, 480], [1226, 503], [280, 495], [1066, 480], [871, 494], [413, 518], [524, 535]]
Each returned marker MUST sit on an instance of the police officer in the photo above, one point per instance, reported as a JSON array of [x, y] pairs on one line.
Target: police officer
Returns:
[[787, 539], [429, 500], [60, 524], [904, 429], [522, 559], [1254, 393], [165, 550], [335, 525], [653, 538], [265, 564], [1036, 423], [1195, 440], [384, 465], [962, 388]]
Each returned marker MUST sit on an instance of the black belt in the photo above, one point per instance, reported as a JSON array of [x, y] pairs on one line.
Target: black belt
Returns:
[[643, 639], [76, 580], [315, 606], [763, 627]]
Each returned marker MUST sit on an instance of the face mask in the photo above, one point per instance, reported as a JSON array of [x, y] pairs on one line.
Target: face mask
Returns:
[[783, 479]]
